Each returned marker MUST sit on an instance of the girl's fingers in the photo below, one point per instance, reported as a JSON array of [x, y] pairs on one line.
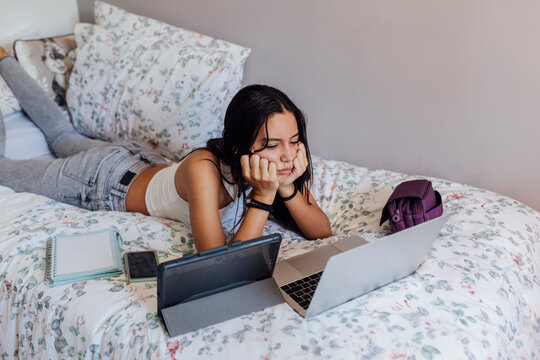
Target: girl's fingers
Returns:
[[263, 167], [296, 162], [301, 148], [272, 170], [260, 173], [299, 163], [296, 166], [244, 162], [303, 157], [303, 160], [254, 164], [302, 152], [272, 173]]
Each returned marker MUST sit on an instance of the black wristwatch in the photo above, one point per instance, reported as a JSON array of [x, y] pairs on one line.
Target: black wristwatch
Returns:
[[291, 196], [259, 205]]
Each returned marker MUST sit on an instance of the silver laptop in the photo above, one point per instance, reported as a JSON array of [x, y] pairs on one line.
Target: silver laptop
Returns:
[[336, 273]]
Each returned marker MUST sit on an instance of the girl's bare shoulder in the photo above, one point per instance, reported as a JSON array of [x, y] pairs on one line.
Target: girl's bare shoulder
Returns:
[[200, 163], [201, 158]]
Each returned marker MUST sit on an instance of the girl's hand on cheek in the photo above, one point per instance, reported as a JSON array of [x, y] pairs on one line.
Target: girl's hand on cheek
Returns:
[[261, 175], [300, 164]]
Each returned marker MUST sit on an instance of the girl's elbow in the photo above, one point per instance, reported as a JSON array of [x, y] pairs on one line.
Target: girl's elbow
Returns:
[[319, 234], [326, 234], [329, 233], [327, 230]]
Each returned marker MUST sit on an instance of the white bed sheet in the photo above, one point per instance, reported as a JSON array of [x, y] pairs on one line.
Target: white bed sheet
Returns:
[[23, 139]]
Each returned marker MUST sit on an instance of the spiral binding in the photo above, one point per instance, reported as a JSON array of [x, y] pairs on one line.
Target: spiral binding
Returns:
[[50, 260]]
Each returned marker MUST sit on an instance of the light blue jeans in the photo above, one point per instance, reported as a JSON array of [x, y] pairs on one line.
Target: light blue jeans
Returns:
[[88, 173]]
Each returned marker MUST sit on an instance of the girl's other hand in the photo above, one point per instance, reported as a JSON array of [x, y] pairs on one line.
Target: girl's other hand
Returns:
[[262, 176], [300, 164]]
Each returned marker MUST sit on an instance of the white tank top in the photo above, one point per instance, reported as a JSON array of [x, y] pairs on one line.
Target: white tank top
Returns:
[[162, 199]]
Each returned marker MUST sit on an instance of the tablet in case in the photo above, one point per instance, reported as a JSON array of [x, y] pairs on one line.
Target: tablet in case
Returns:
[[215, 285]]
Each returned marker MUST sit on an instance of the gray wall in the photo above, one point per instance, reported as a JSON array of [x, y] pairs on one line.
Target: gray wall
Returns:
[[446, 88]]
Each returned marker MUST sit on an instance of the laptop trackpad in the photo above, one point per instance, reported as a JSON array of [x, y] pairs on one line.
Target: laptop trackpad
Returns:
[[313, 261], [350, 242]]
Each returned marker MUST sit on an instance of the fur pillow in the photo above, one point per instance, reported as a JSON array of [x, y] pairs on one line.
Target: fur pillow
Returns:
[[47, 62]]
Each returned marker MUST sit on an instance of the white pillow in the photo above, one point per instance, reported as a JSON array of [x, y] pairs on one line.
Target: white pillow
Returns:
[[151, 89], [190, 77], [133, 26], [121, 22], [8, 101]]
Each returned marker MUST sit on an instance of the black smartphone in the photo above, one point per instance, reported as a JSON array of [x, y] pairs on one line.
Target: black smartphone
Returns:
[[141, 265]]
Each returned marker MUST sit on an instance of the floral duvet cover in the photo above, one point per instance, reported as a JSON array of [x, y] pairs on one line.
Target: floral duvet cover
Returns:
[[476, 295]]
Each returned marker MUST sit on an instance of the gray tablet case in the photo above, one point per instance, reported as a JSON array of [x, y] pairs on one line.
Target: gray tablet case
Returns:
[[218, 284]]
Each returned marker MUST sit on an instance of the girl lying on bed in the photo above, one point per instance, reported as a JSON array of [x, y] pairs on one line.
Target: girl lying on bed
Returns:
[[261, 165]]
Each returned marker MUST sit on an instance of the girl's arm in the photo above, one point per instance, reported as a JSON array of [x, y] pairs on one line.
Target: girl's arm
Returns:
[[199, 180], [309, 217], [262, 176]]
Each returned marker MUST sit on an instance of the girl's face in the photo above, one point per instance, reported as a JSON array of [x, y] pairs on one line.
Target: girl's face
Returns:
[[283, 141]]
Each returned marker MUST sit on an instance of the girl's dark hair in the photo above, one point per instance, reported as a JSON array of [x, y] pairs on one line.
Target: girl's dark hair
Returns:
[[248, 112]]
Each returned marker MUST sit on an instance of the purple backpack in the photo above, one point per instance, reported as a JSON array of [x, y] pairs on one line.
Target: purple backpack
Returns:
[[412, 203]]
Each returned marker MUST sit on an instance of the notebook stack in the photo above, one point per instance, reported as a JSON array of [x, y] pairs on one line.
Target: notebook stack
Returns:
[[76, 257]]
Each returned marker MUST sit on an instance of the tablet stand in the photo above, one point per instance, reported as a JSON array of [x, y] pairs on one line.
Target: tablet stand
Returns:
[[196, 314]]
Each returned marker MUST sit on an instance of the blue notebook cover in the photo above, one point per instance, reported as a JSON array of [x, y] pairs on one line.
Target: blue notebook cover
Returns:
[[75, 257]]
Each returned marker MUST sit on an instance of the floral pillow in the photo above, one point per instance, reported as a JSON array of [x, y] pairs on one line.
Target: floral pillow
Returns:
[[47, 62], [123, 23], [152, 89], [8, 102], [207, 120]]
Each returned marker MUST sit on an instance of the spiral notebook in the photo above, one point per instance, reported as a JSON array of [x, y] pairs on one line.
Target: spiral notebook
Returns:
[[75, 257]]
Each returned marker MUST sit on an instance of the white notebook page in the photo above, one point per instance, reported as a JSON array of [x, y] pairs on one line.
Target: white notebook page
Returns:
[[83, 253]]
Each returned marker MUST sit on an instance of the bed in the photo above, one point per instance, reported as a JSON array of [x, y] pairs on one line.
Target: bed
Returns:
[[476, 295]]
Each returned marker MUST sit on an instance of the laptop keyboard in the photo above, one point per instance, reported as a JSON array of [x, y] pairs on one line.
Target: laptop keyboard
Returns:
[[302, 290]]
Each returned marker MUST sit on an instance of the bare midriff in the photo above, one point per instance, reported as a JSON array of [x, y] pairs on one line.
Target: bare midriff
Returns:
[[135, 197]]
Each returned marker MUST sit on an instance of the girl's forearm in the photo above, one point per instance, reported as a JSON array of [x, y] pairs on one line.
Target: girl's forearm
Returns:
[[311, 220], [252, 225]]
